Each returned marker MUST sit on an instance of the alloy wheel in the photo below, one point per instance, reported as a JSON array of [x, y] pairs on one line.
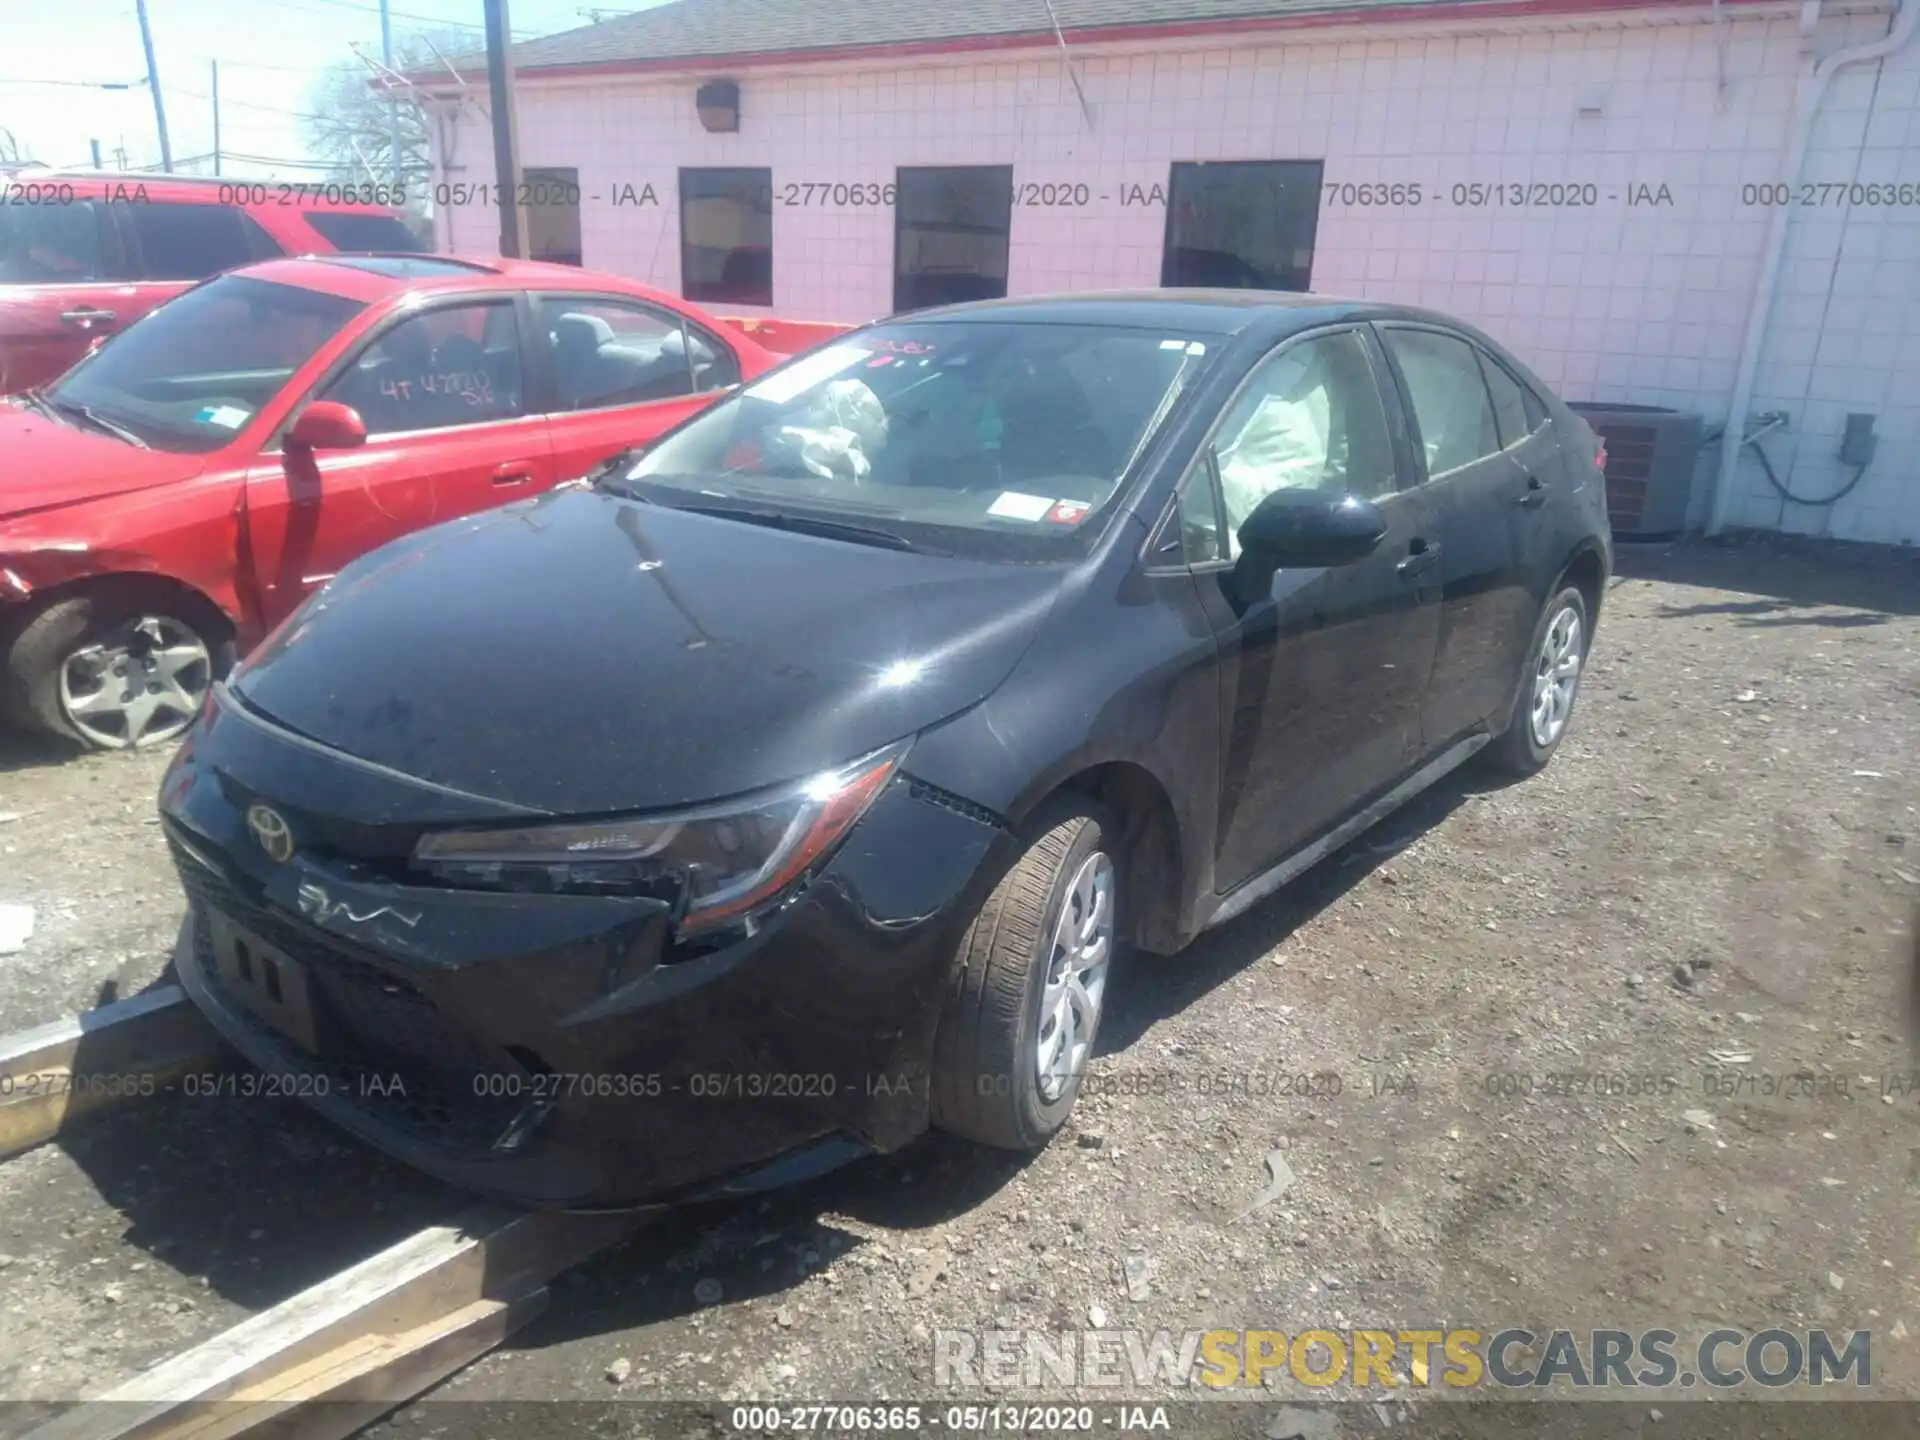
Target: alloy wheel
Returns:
[[1076, 977], [140, 684], [1556, 675]]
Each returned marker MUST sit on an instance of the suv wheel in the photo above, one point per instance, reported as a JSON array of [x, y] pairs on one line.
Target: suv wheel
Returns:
[[1019, 1024], [111, 669], [1549, 685]]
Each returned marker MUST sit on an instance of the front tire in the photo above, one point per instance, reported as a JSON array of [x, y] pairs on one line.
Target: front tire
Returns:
[[1019, 1022], [111, 668], [1549, 685]]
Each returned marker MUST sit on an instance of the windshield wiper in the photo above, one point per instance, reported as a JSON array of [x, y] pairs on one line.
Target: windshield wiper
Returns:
[[803, 524], [98, 422], [610, 471]]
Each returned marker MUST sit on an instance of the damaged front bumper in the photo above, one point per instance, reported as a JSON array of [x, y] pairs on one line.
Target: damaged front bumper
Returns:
[[554, 1049]]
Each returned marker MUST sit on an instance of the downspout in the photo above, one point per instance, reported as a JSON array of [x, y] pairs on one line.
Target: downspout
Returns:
[[1812, 88]]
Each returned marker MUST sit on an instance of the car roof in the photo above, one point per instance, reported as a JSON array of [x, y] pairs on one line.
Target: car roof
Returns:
[[1214, 312], [371, 277]]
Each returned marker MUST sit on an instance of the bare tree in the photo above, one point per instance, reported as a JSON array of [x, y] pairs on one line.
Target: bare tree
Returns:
[[350, 117]]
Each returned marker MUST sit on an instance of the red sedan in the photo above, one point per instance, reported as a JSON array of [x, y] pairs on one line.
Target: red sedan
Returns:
[[183, 488]]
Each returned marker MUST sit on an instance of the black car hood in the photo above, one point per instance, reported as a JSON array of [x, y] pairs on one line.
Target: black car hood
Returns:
[[588, 653]]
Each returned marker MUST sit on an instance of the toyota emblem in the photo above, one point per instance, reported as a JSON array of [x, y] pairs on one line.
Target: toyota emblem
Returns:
[[271, 832]]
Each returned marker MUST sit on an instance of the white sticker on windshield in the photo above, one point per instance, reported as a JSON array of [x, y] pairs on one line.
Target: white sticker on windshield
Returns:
[[1173, 344], [1016, 506], [1196, 348], [227, 417], [802, 375]]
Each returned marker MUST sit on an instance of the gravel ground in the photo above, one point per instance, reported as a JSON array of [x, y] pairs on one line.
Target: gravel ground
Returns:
[[109, 1262], [1723, 861], [80, 843]]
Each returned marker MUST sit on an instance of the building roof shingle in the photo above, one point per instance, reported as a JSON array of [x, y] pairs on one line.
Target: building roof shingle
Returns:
[[689, 30]]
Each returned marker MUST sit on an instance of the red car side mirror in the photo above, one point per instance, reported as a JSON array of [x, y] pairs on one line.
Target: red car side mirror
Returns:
[[328, 425]]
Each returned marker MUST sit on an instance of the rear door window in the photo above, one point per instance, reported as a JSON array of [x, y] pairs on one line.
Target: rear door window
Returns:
[[1451, 406], [51, 244], [609, 351], [1509, 400], [344, 230], [191, 242]]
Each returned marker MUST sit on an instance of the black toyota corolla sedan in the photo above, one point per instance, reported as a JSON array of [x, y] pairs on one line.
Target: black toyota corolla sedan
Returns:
[[789, 789]]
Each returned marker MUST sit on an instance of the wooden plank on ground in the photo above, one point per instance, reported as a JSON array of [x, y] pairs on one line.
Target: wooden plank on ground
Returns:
[[357, 1344], [54, 1074]]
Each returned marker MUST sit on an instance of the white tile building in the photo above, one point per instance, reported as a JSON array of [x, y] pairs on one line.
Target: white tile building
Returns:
[[1658, 129]]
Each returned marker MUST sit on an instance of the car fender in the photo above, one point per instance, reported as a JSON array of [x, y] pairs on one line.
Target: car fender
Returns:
[[184, 535], [1114, 682]]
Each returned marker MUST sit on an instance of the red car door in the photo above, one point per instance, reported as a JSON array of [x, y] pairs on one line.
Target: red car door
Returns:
[[622, 372], [65, 280], [442, 393]]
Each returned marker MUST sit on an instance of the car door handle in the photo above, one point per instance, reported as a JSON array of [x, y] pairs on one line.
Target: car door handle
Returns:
[[1534, 496], [84, 317], [512, 473], [1421, 555]]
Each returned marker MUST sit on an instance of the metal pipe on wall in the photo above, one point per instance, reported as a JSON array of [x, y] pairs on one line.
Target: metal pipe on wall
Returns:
[[1810, 91]]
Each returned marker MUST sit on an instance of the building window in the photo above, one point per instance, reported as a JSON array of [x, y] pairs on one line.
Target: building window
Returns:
[[951, 225], [1242, 224], [553, 214], [726, 235]]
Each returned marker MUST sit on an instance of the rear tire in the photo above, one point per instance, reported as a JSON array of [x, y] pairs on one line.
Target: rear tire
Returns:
[[1549, 684], [1051, 921], [112, 667]]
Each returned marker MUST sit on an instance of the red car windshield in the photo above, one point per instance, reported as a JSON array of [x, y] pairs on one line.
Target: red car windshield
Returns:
[[190, 374]]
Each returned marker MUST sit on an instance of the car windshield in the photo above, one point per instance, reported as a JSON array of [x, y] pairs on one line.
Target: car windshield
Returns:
[[187, 376], [993, 438]]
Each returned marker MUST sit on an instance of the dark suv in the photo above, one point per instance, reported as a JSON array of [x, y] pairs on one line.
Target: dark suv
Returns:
[[85, 254]]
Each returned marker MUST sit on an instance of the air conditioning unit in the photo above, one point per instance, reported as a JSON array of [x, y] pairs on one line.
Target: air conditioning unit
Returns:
[[1652, 457]]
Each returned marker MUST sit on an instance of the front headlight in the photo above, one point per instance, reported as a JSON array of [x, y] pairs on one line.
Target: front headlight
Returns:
[[722, 862]]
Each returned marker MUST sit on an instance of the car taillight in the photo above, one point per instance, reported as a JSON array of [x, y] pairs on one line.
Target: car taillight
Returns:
[[1600, 455]]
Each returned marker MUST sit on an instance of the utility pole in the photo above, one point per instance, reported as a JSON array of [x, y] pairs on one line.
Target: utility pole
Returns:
[[506, 130], [96, 154], [153, 84], [216, 116], [393, 101]]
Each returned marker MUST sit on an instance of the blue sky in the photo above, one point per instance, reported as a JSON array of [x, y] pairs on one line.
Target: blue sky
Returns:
[[270, 53]]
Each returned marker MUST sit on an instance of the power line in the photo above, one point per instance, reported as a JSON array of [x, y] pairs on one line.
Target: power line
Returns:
[[279, 160], [399, 15], [82, 84], [256, 65], [248, 105]]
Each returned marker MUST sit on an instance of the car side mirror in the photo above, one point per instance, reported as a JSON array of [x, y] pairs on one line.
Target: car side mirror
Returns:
[[1308, 529], [328, 425]]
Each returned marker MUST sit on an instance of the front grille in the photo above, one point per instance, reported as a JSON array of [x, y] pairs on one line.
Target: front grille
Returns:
[[385, 1013], [429, 1106]]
